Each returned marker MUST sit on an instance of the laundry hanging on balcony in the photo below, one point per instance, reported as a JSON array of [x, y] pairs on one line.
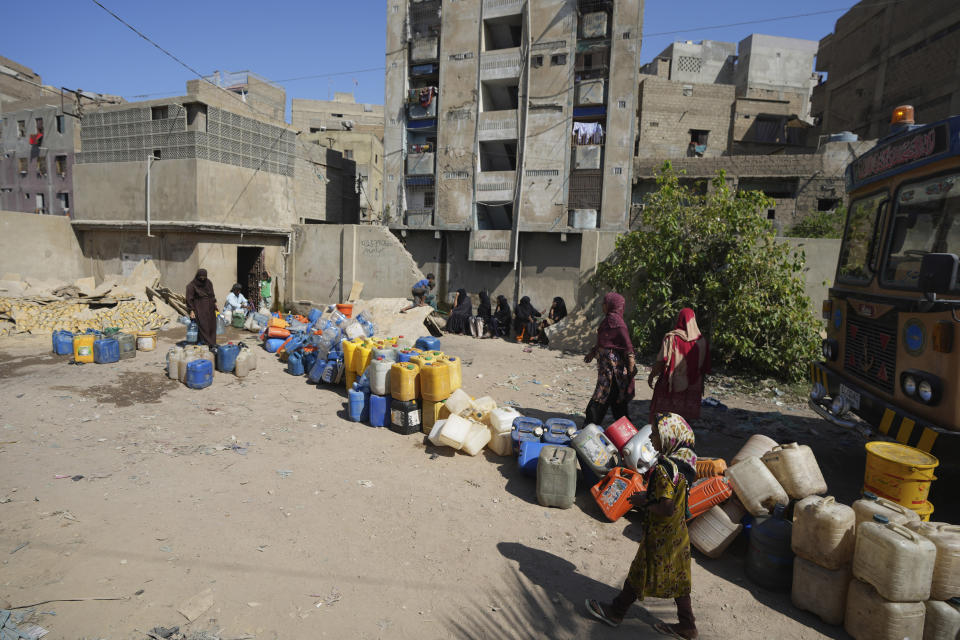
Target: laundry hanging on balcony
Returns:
[[587, 133], [36, 138], [426, 96]]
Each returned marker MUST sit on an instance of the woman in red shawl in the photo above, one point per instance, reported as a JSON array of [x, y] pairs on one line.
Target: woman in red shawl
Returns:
[[616, 364], [683, 360], [202, 304]]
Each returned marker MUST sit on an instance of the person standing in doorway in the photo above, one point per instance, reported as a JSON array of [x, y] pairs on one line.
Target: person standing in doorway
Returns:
[[266, 290], [683, 361], [616, 364], [202, 304]]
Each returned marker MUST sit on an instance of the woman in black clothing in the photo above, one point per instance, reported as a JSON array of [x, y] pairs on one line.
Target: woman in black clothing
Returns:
[[459, 320], [558, 311], [480, 324], [525, 320], [500, 322]]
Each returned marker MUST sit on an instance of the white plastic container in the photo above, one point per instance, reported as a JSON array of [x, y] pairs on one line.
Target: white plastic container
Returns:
[[823, 531], [246, 362], [500, 424], [434, 435], [870, 617], [712, 532], [485, 405], [458, 401], [946, 570], [896, 561], [734, 509], [796, 469], [454, 432], [820, 591], [354, 330], [378, 373], [942, 621], [477, 438], [638, 454], [870, 505], [174, 356], [756, 487], [757, 445]]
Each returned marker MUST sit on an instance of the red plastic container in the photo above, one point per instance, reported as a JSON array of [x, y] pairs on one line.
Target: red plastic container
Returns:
[[620, 432], [707, 493], [612, 494], [277, 332]]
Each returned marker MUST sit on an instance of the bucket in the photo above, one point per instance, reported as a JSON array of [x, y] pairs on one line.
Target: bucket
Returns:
[[925, 511], [899, 473], [146, 340], [345, 309]]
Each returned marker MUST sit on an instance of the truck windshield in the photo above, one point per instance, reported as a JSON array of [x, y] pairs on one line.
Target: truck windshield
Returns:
[[924, 221], [858, 241]]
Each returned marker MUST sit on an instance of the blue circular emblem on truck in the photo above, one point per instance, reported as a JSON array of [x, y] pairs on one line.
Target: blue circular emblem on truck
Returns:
[[914, 337], [837, 318]]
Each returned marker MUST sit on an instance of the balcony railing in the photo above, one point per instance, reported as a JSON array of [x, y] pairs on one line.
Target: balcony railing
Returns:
[[419, 217], [498, 125]]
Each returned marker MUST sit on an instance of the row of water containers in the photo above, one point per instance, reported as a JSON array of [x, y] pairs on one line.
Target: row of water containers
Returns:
[[193, 365], [101, 347]]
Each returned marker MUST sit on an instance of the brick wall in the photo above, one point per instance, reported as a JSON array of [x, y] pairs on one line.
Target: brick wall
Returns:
[[669, 110]]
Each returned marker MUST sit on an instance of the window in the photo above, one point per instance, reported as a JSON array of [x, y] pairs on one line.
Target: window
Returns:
[[536, 61], [59, 124], [376, 194], [348, 154], [61, 165], [699, 136], [156, 154], [558, 59], [42, 165], [22, 165], [64, 199], [21, 128], [428, 199], [158, 113], [769, 129], [925, 220], [856, 253], [771, 214], [337, 115], [39, 123], [41, 205], [827, 204]]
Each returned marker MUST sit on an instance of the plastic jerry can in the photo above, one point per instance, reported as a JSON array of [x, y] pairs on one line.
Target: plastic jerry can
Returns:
[[193, 332], [755, 485], [427, 343], [188, 357], [942, 621], [500, 419], [897, 562], [485, 404], [379, 375], [557, 476], [309, 359], [83, 348], [870, 617], [769, 556], [458, 402], [871, 504], [246, 362], [707, 493], [757, 445], [349, 348], [295, 364], [796, 469], [819, 590], [379, 410], [62, 343], [430, 414], [612, 494], [597, 454], [357, 408], [708, 467], [404, 381], [946, 571], [620, 432], [333, 372], [404, 417], [501, 442], [199, 374], [638, 454], [455, 370], [174, 356], [227, 357], [387, 353], [477, 439], [362, 356], [529, 456], [713, 532], [526, 429], [559, 431], [128, 345], [823, 531], [435, 381], [106, 351], [454, 432]]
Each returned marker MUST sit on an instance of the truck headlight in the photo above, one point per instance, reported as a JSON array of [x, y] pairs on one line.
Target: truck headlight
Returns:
[[909, 384], [925, 391]]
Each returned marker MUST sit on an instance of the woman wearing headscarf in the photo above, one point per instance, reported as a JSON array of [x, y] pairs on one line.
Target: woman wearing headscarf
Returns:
[[501, 318], [616, 364], [557, 312], [202, 305], [661, 568], [525, 320], [459, 320], [683, 360], [480, 324]]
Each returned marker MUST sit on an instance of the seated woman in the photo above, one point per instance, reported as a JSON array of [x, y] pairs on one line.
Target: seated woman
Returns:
[[459, 320], [500, 322], [558, 311], [525, 320], [480, 324]]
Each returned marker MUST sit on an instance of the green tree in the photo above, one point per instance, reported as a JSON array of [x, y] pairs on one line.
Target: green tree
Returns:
[[820, 224], [714, 253]]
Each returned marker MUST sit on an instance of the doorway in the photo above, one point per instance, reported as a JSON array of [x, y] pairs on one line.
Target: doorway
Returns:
[[250, 269]]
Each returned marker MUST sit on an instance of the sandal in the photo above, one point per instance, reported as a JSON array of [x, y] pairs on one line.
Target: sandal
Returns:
[[596, 610], [671, 630]]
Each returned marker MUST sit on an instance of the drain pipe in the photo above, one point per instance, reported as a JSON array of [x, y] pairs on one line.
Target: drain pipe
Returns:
[[150, 160]]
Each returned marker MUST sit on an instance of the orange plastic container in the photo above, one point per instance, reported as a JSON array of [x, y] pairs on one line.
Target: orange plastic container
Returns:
[[277, 332], [706, 493], [345, 309], [404, 381], [435, 381], [613, 493], [303, 319], [276, 322], [709, 467]]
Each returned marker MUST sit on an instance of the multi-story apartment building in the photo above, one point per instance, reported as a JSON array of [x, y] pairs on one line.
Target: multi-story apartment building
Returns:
[[509, 123]]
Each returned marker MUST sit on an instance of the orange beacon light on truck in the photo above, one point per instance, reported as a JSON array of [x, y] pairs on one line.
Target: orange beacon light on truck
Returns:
[[902, 115]]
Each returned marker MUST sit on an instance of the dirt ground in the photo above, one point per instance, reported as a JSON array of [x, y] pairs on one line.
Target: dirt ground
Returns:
[[258, 498]]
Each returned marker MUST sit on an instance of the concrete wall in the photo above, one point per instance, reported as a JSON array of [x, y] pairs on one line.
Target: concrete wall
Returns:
[[669, 110], [706, 62], [308, 115], [42, 247], [821, 256], [327, 259]]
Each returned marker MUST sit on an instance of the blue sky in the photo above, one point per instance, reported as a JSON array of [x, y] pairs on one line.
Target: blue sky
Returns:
[[74, 43]]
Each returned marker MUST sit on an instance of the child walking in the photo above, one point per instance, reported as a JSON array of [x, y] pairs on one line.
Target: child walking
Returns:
[[661, 568]]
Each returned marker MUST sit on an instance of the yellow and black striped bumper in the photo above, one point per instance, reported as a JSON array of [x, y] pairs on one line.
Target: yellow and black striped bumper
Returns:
[[889, 420]]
